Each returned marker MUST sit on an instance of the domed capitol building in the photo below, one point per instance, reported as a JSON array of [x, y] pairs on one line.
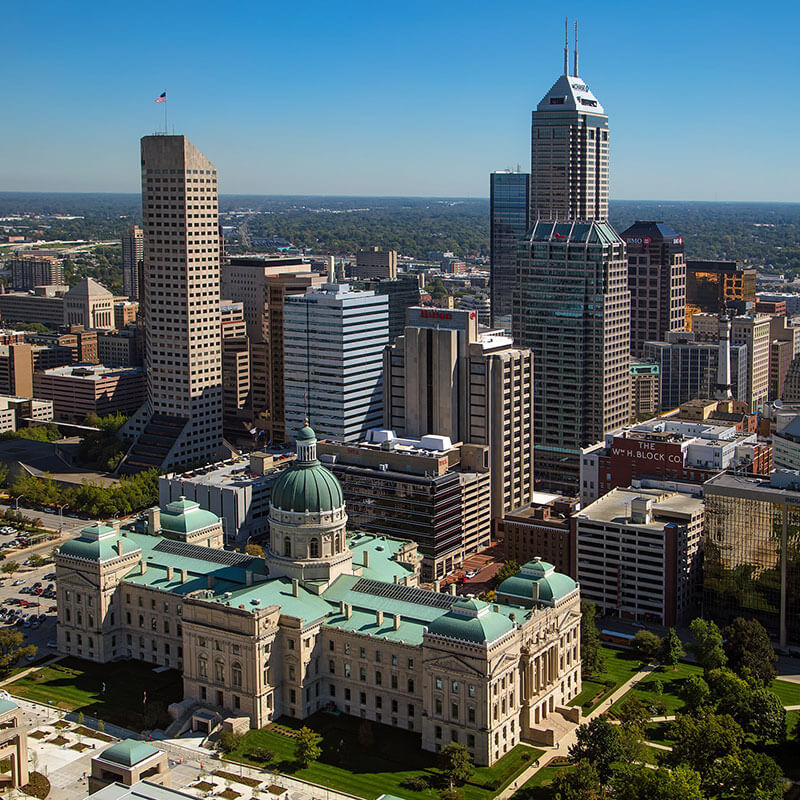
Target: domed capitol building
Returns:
[[328, 619]]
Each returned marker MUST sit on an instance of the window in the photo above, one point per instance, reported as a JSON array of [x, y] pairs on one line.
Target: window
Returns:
[[378, 677], [471, 690], [292, 696], [291, 644], [362, 673], [411, 686], [346, 694], [362, 698], [411, 663], [438, 705], [394, 681], [438, 683], [454, 710], [332, 666], [332, 690], [202, 666], [438, 732], [453, 735], [471, 714], [219, 670], [470, 740], [394, 706], [330, 644], [394, 661], [201, 642], [363, 653], [410, 710], [236, 674], [378, 656], [287, 547], [313, 548], [347, 648], [454, 687], [347, 669], [378, 701]]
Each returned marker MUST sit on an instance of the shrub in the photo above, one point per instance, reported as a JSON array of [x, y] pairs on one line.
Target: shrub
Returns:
[[228, 741], [417, 783]]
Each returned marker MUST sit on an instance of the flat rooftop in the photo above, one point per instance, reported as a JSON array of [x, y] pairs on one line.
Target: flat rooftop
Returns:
[[616, 506], [91, 372], [233, 472]]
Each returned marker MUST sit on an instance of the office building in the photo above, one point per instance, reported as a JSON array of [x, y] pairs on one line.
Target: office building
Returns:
[[542, 529], [509, 212], [657, 282], [671, 448], [569, 152], [181, 421], [790, 300], [81, 389], [374, 263], [261, 284], [403, 293], [751, 535], [571, 309], [718, 287], [688, 369], [35, 269], [81, 345], [752, 330], [443, 375], [784, 348], [638, 555], [238, 491], [125, 313], [132, 262], [334, 338], [121, 348], [328, 620], [45, 304], [786, 440], [18, 412], [90, 305], [428, 490], [645, 386]]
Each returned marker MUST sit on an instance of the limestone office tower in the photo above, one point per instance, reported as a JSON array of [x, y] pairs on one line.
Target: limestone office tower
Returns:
[[132, 261], [571, 304], [181, 422]]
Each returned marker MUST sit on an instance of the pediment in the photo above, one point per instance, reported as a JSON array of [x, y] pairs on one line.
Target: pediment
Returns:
[[77, 579], [452, 664]]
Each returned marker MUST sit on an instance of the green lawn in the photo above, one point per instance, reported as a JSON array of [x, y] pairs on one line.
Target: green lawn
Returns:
[[618, 666], [538, 787], [368, 759], [671, 681], [76, 685], [788, 692], [658, 732]]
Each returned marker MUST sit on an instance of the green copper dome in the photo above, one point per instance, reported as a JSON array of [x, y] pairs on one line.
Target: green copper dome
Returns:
[[186, 516], [128, 752], [307, 486], [537, 581], [471, 621]]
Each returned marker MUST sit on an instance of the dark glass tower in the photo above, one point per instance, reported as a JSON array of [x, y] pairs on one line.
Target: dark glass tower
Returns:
[[509, 194]]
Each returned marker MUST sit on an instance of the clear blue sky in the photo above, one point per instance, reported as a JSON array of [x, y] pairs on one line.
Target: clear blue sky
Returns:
[[409, 98]]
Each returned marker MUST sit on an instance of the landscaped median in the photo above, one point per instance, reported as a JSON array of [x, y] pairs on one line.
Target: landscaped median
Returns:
[[368, 759]]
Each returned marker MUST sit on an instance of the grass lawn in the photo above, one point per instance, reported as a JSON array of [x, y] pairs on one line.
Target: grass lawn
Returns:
[[618, 666], [369, 759], [671, 681], [76, 685], [538, 787], [788, 692], [658, 732]]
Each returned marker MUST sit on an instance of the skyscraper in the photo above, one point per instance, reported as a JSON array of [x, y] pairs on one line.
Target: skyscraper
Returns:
[[657, 282], [132, 261], [509, 196], [571, 303], [569, 151], [444, 377], [333, 342], [181, 422]]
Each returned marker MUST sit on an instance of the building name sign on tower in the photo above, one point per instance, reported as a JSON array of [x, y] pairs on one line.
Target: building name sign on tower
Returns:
[[425, 312]]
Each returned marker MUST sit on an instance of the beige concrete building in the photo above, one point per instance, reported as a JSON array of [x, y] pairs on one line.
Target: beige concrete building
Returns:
[[132, 262], [44, 304], [181, 421], [327, 620], [444, 376], [645, 386], [127, 762], [35, 269], [13, 744], [89, 304], [374, 263]]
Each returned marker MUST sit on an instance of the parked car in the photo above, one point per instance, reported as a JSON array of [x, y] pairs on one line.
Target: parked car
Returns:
[[18, 582]]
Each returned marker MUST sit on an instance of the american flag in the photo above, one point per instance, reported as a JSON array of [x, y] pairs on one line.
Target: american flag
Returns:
[[162, 98]]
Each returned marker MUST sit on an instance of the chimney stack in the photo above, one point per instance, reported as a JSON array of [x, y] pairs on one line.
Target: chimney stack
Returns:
[[348, 611], [142, 567], [452, 589], [295, 587], [169, 573], [366, 558], [379, 618], [396, 621], [153, 520], [184, 575]]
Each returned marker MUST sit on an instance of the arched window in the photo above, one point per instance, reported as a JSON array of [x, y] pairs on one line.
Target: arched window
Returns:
[[219, 670], [313, 548], [287, 546], [202, 666], [236, 673]]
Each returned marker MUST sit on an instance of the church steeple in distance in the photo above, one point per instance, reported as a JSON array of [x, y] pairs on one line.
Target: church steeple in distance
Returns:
[[569, 149]]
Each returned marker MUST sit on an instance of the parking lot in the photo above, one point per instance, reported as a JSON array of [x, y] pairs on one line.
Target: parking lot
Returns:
[[27, 597]]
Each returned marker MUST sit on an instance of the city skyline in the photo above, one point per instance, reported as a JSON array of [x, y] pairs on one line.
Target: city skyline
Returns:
[[317, 107]]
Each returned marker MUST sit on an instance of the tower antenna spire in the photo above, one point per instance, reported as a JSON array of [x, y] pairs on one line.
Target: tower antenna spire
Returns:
[[576, 49], [566, 45]]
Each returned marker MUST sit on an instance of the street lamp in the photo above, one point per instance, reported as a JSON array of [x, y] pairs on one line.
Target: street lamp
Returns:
[[61, 517], [16, 500]]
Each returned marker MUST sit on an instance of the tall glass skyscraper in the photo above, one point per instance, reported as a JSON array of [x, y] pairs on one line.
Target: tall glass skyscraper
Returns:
[[509, 194]]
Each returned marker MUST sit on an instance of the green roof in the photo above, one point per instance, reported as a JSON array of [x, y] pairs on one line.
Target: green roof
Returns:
[[186, 516], [97, 542], [382, 552], [366, 622], [307, 486], [305, 434], [472, 621], [552, 585], [128, 752]]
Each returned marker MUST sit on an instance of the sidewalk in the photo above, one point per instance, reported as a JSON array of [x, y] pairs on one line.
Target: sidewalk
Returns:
[[563, 745]]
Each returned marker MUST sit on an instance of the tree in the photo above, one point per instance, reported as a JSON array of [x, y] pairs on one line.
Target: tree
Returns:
[[12, 649], [636, 782], [707, 648], [695, 693], [633, 713], [591, 654], [228, 741], [10, 567], [456, 763], [767, 720], [35, 560], [745, 775], [451, 794], [647, 645], [597, 742], [508, 569], [672, 649], [702, 739], [255, 550], [581, 783], [307, 746], [749, 651]]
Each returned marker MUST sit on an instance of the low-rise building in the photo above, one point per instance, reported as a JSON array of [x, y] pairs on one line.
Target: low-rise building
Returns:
[[326, 620], [127, 762], [544, 529], [638, 554], [83, 389], [670, 448], [44, 304]]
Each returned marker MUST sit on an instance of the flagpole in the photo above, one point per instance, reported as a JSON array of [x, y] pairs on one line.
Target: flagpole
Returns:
[[165, 116]]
